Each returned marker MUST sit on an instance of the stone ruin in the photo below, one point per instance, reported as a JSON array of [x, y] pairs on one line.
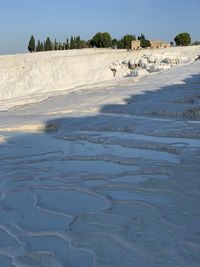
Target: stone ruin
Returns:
[[135, 45]]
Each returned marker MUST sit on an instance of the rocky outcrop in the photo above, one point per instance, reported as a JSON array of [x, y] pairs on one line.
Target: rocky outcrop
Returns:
[[144, 65]]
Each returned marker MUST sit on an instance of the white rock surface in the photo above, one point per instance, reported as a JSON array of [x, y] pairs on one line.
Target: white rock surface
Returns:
[[106, 175], [37, 76]]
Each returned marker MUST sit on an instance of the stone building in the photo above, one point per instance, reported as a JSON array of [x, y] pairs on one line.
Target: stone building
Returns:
[[135, 45], [158, 44]]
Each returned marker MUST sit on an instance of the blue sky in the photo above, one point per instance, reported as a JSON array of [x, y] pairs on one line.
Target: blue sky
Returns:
[[157, 19]]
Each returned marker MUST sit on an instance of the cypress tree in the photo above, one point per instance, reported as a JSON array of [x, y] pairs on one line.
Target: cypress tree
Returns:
[[48, 45], [75, 42], [55, 45], [31, 45], [67, 44], [38, 46], [144, 43], [141, 37], [78, 40], [72, 44]]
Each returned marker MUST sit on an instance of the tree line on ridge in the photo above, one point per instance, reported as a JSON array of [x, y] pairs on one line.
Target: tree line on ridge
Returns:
[[100, 40]]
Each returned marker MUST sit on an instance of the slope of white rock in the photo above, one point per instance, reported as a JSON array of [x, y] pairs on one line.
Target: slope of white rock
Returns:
[[32, 77]]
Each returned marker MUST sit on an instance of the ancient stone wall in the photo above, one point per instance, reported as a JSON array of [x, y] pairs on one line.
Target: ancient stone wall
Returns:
[[154, 44]]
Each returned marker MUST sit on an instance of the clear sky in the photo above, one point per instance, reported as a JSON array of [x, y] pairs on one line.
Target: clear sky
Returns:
[[157, 19]]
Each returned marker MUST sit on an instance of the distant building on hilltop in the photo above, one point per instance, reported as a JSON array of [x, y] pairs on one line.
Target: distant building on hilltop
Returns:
[[135, 45], [158, 44]]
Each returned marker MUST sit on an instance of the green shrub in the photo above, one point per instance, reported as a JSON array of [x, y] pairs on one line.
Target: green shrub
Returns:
[[102, 39], [182, 39], [145, 43]]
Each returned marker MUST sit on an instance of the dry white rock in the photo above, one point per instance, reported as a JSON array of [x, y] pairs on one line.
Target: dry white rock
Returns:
[[33, 77]]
